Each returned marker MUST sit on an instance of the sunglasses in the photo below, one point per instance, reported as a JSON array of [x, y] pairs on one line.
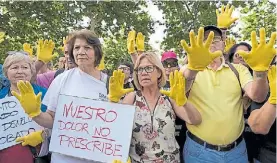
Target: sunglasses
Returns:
[[124, 68], [17, 52], [167, 64]]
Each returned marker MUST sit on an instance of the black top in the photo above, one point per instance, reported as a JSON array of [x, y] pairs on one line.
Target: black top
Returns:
[[58, 72], [269, 139]]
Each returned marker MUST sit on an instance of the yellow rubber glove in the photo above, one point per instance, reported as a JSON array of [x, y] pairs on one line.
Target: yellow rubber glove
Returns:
[[261, 55], [181, 97], [118, 161], [33, 139], [173, 80], [116, 90], [2, 35], [229, 42], [140, 42], [65, 40], [272, 84], [101, 66], [199, 54], [131, 42], [45, 50], [28, 99], [224, 19], [28, 48]]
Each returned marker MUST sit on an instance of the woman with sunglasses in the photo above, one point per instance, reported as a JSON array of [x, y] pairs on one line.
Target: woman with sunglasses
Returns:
[[18, 66], [153, 137]]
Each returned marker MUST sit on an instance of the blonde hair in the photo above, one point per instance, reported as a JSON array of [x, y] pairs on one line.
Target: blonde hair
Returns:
[[153, 58], [17, 57]]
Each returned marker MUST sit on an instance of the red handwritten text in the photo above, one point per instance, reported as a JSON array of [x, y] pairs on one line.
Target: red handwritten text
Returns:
[[80, 127], [87, 112], [107, 148]]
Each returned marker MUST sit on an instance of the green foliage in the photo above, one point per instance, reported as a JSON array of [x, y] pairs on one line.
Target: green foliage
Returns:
[[28, 21]]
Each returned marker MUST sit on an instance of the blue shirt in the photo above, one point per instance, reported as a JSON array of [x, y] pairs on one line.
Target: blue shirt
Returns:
[[5, 91], [4, 82]]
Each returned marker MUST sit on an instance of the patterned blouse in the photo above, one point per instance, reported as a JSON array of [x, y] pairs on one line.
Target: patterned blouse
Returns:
[[153, 139]]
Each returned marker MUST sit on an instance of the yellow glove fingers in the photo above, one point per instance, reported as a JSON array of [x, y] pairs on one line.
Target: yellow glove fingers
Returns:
[[29, 86], [24, 143], [231, 11], [200, 36], [217, 12], [222, 8], [216, 54], [111, 82], [209, 40], [20, 139], [122, 77], [185, 46], [254, 39], [192, 39], [21, 87], [272, 39], [175, 77], [233, 20], [129, 160], [18, 96], [128, 90], [167, 93], [262, 36], [227, 8], [38, 97], [243, 54]]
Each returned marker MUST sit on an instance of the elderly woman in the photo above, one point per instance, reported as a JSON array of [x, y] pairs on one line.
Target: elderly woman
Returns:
[[18, 66], [153, 137], [83, 81]]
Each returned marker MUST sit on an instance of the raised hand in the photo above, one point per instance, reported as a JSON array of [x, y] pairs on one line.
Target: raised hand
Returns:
[[224, 19]]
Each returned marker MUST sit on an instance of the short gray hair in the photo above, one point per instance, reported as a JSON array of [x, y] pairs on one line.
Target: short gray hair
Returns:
[[16, 57]]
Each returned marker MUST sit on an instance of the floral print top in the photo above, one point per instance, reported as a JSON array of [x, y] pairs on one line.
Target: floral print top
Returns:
[[153, 139]]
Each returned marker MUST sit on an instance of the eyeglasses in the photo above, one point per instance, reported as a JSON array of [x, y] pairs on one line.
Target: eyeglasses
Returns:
[[124, 68], [148, 69], [215, 40], [167, 64], [17, 52]]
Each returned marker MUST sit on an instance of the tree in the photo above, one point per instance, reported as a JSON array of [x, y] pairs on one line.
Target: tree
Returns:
[[183, 16], [256, 16], [29, 21]]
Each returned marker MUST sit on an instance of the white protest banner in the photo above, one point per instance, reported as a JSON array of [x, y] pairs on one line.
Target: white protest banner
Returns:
[[93, 130], [14, 122]]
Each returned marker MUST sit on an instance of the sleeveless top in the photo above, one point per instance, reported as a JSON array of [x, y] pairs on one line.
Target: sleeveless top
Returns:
[[153, 139]]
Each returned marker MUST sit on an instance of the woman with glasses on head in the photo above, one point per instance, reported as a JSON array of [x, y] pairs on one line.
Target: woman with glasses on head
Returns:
[[18, 66], [127, 69], [153, 137]]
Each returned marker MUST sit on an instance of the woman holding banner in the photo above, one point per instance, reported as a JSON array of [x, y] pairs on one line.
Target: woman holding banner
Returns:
[[83, 81], [18, 67], [153, 137]]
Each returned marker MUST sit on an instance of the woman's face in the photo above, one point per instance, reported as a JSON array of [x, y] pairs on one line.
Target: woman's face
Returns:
[[19, 71], [237, 59], [83, 53], [148, 74]]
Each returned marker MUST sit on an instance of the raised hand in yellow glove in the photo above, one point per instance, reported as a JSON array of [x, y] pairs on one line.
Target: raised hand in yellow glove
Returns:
[[140, 42], [131, 42], [261, 55], [28, 99], [116, 90], [229, 42], [173, 80], [199, 54], [33, 139], [2, 35], [118, 161], [224, 19], [101, 66], [272, 84], [27, 48], [45, 50], [181, 97]]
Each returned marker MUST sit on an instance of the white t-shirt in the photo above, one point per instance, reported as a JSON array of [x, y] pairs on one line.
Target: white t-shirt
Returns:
[[74, 82]]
